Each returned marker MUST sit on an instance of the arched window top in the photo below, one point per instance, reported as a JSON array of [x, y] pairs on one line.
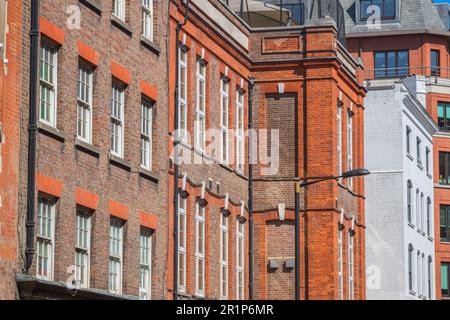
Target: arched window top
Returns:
[[430, 259], [428, 200], [423, 255], [410, 185], [410, 247]]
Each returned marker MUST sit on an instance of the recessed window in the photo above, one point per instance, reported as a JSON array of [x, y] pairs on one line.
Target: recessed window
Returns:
[[418, 208], [240, 253], [339, 137], [182, 95], [147, 19], [146, 134], [445, 279], [386, 7], [409, 201], [391, 64], [119, 9], [45, 250], [430, 275], [84, 111], [240, 145], [200, 110], [200, 250], [410, 268], [83, 248], [181, 245], [418, 150], [445, 223], [408, 140], [48, 83], [435, 62], [117, 119], [429, 212], [351, 266], [444, 116], [145, 264], [340, 265], [350, 145], [223, 257], [444, 168], [115, 256], [224, 114], [427, 159]]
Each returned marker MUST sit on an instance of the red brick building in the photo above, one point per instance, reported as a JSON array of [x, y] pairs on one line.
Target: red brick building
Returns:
[[417, 31], [10, 118]]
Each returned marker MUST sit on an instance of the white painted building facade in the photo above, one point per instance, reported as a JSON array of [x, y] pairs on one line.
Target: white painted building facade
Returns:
[[399, 194]]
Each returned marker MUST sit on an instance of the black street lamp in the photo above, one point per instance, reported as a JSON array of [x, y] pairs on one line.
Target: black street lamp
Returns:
[[298, 186]]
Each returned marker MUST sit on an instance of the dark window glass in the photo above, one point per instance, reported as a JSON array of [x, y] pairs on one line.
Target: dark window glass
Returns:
[[427, 160], [410, 266], [391, 64], [428, 216], [418, 147], [435, 62], [408, 201], [387, 8], [445, 270], [444, 174], [364, 6], [444, 116], [408, 140], [444, 223]]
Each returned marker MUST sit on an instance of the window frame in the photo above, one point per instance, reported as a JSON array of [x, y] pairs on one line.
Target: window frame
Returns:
[[446, 264], [447, 223], [350, 145], [182, 101], [200, 254], [240, 130], [363, 15], [119, 9], [52, 49], [224, 258], [47, 240], [351, 267], [86, 68], [118, 120], [182, 212], [116, 223], [224, 110], [387, 71], [446, 179], [147, 137], [418, 150], [240, 257], [147, 19], [200, 132], [435, 69], [340, 264], [409, 202], [339, 137], [429, 212], [145, 237], [410, 268], [445, 120], [83, 214]]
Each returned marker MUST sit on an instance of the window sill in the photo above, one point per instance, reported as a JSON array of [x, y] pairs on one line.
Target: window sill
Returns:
[[420, 166], [51, 132], [122, 25], [410, 157], [94, 5], [429, 175], [444, 242], [117, 161], [413, 293], [147, 174], [411, 225], [430, 238], [150, 45], [87, 147]]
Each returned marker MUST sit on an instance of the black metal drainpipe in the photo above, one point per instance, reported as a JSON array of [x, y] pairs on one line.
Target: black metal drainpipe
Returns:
[[175, 157], [250, 189], [32, 131]]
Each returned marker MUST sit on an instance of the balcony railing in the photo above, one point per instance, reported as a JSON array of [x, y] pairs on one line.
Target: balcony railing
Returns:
[[392, 73]]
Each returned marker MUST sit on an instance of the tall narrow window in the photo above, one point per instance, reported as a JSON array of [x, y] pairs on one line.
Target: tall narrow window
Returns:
[[418, 208], [340, 265], [339, 138], [435, 62], [224, 113], [419, 275], [240, 146], [115, 255], [200, 125], [350, 145], [182, 94], [410, 268], [119, 9], [351, 266], [48, 83], [145, 264], [83, 248], [430, 283], [181, 245], [45, 239], [84, 112], [147, 19], [422, 216], [117, 119], [146, 134], [444, 168], [429, 216], [409, 200], [200, 250], [408, 140], [423, 289], [445, 279], [445, 223], [240, 277], [223, 257], [418, 150], [427, 160]]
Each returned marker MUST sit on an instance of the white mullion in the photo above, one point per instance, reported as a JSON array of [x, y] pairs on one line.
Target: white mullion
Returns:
[[200, 254], [182, 248], [340, 267], [200, 108], [351, 283], [182, 95], [240, 246], [223, 257], [147, 19], [224, 115], [240, 130]]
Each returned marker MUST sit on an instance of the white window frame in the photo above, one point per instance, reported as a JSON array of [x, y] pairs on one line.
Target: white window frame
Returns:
[[182, 94], [147, 19], [81, 249], [424, 271], [223, 257], [46, 236], [145, 264], [418, 208], [351, 267], [85, 79], [410, 268], [182, 248], [422, 208], [199, 249], [116, 226], [200, 110], [419, 274], [119, 9], [146, 134], [240, 260], [339, 138], [224, 119], [350, 145], [47, 47], [117, 119], [340, 265], [240, 144]]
